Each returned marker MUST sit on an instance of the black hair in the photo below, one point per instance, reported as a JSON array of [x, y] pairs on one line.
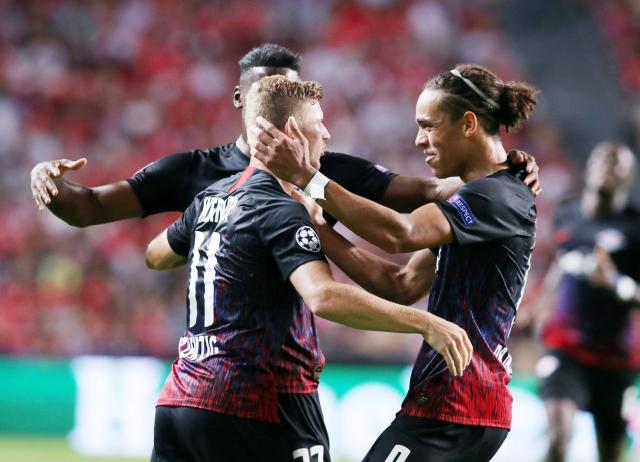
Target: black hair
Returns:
[[270, 55], [510, 103]]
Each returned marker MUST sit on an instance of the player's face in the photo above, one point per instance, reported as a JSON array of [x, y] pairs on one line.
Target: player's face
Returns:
[[610, 168], [438, 136], [312, 127], [254, 74]]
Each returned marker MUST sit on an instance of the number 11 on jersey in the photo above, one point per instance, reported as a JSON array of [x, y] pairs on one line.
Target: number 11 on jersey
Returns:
[[203, 271]]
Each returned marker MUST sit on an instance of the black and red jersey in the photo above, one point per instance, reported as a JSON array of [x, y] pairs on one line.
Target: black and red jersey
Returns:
[[171, 184], [479, 283], [243, 237]]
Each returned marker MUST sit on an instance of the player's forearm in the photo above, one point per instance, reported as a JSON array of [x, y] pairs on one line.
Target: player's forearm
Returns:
[[356, 308], [375, 274], [74, 203], [375, 223], [406, 193], [81, 206]]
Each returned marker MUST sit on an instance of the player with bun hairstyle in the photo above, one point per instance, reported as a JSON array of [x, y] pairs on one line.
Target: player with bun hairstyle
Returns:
[[472, 255]]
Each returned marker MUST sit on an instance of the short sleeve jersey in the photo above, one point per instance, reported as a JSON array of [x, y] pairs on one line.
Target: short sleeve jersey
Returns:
[[243, 237], [588, 322], [479, 282], [171, 183]]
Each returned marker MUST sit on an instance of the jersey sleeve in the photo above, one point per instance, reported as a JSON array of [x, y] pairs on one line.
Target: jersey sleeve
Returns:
[[489, 209], [161, 185], [357, 175], [291, 237], [180, 232]]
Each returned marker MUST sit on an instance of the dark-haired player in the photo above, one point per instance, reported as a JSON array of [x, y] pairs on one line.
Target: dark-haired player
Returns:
[[250, 247], [591, 331], [171, 183], [478, 242]]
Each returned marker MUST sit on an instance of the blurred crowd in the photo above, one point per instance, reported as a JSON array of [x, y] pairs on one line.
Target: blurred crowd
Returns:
[[126, 82]]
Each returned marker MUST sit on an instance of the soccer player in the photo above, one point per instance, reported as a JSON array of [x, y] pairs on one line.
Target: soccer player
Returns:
[[478, 242], [171, 183], [250, 247], [586, 303]]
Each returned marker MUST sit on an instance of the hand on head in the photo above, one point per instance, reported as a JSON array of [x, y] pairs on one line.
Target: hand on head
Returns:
[[285, 154]]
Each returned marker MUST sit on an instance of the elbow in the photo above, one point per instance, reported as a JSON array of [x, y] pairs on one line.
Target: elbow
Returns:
[[151, 261], [320, 300], [399, 241]]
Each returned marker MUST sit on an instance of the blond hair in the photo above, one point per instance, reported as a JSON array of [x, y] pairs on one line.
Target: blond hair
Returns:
[[276, 98]]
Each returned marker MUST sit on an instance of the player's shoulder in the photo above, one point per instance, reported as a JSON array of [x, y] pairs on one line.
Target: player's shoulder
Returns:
[[502, 186]]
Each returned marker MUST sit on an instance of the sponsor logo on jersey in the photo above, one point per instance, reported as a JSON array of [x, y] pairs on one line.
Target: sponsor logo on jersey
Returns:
[[463, 210], [216, 209], [197, 347], [308, 239]]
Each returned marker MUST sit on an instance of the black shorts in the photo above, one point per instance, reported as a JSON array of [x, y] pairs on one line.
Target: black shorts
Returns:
[[593, 389], [185, 434], [302, 419], [414, 439]]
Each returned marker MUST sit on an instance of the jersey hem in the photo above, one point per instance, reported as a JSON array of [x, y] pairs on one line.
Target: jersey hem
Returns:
[[461, 420], [199, 404]]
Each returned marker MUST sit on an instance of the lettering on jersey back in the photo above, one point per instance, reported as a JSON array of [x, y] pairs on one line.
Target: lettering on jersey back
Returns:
[[216, 209]]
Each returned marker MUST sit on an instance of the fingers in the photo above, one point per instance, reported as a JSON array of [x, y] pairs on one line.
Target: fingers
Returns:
[[446, 354], [42, 192], [67, 164], [296, 129], [467, 348], [37, 199], [48, 183], [457, 358], [516, 157], [269, 128]]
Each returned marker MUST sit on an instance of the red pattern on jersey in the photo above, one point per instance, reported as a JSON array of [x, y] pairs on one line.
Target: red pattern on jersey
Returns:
[[301, 359]]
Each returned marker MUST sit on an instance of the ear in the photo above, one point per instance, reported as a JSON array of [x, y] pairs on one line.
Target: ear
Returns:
[[237, 98], [469, 124]]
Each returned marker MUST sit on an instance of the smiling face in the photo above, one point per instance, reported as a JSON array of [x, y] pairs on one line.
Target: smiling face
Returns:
[[310, 120], [440, 138]]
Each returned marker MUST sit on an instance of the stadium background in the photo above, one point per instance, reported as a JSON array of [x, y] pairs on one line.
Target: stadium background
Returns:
[[86, 332]]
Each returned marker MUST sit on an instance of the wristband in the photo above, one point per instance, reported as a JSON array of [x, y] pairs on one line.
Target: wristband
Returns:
[[625, 288], [315, 188]]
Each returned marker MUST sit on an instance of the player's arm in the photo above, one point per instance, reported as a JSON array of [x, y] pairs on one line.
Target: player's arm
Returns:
[[606, 274], [359, 309], [170, 248], [79, 205], [407, 193], [405, 284], [160, 256]]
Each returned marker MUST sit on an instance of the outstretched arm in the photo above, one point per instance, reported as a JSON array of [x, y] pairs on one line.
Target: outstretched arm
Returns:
[[359, 309], [76, 204]]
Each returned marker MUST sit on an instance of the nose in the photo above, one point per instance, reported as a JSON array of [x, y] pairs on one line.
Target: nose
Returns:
[[326, 136], [422, 140]]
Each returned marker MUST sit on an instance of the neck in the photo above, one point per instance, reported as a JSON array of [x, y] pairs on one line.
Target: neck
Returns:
[[242, 145], [286, 186], [486, 158]]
